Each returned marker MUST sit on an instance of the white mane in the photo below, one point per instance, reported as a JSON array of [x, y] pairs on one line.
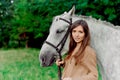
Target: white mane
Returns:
[[97, 21]]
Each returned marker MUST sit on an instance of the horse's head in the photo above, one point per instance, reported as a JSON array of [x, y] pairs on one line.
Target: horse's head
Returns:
[[58, 29]]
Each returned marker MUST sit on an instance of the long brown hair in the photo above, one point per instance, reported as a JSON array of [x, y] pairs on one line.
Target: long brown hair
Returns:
[[85, 42]]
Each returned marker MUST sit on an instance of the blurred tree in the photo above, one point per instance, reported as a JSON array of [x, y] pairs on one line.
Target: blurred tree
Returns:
[[5, 17], [31, 19], [108, 10], [28, 20]]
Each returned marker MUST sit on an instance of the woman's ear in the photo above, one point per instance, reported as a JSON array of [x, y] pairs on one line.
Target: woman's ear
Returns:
[[72, 11]]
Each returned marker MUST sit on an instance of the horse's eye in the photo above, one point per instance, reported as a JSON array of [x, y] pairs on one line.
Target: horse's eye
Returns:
[[59, 31], [57, 19]]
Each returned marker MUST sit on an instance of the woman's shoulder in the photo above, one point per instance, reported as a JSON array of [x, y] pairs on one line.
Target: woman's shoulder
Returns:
[[90, 50], [88, 47]]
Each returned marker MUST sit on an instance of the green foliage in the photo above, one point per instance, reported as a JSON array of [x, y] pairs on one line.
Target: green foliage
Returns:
[[35, 16], [101, 9], [5, 16]]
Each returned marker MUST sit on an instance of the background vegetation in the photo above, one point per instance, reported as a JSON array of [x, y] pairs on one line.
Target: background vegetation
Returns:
[[25, 23]]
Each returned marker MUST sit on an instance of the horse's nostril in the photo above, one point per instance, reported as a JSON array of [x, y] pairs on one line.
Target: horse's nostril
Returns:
[[43, 60]]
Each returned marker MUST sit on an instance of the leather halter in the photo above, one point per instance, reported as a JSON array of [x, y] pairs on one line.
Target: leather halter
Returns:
[[63, 40]]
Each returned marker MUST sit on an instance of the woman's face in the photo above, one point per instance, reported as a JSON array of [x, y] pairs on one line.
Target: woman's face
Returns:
[[78, 34]]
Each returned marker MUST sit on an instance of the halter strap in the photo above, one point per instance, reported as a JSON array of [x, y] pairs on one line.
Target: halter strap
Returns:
[[69, 22]]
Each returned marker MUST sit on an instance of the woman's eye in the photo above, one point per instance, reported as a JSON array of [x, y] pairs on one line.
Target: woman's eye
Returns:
[[80, 32], [73, 31]]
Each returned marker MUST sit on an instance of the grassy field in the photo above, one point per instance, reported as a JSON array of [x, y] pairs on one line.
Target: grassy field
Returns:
[[23, 64]]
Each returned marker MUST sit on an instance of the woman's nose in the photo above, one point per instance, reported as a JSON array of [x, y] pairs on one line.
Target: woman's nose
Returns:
[[77, 34]]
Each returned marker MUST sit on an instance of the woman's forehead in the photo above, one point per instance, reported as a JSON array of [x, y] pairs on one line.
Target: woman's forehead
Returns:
[[78, 28]]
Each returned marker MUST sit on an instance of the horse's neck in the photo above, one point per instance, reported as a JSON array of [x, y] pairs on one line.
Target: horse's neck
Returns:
[[105, 39]]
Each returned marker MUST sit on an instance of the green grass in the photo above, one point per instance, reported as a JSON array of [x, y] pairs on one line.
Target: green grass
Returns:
[[23, 64]]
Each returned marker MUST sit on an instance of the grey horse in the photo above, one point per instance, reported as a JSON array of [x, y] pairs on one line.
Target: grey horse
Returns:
[[105, 39]]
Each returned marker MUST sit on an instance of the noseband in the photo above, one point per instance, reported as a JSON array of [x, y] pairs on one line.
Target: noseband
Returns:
[[63, 40]]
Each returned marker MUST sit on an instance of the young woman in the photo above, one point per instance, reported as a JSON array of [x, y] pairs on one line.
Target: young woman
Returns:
[[80, 62]]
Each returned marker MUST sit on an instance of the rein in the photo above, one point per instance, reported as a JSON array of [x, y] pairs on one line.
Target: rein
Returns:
[[62, 43]]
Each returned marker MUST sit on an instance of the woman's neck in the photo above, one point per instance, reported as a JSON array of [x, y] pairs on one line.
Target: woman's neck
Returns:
[[78, 45], [76, 48]]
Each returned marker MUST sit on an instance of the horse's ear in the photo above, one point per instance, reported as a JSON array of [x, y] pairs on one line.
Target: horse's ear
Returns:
[[72, 11], [65, 12]]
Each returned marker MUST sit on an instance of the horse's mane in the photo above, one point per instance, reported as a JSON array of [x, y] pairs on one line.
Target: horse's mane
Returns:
[[98, 21]]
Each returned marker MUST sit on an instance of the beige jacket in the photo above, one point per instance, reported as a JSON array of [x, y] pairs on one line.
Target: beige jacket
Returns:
[[87, 70]]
